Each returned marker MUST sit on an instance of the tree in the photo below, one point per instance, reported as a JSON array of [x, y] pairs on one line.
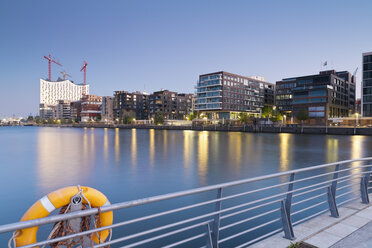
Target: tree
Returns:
[[303, 115], [30, 118], [267, 112], [63, 121], [277, 116], [159, 118], [243, 117], [69, 121], [38, 120], [50, 120], [127, 119], [192, 116]]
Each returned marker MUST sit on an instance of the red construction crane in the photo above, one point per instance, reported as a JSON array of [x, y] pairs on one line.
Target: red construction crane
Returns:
[[85, 75], [50, 60], [65, 74]]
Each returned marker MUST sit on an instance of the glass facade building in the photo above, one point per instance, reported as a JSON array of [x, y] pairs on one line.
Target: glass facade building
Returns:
[[367, 85], [225, 94], [329, 94]]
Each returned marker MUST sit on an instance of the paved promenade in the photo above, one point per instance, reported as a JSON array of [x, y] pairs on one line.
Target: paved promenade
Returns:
[[352, 229]]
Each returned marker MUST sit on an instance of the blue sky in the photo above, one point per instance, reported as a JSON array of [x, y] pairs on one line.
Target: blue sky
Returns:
[[132, 45]]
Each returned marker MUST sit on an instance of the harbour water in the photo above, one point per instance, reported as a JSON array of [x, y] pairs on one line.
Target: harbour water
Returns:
[[131, 164]]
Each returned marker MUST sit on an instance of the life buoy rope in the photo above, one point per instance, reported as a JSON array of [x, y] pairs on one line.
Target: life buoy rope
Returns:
[[61, 199]]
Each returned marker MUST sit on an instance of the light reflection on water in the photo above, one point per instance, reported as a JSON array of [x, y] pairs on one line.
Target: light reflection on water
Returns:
[[130, 164]]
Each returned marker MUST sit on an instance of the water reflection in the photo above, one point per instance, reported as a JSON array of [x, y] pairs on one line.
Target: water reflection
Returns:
[[180, 159], [152, 146], [187, 148], [117, 145], [203, 156], [235, 150], [165, 143], [332, 150], [134, 147], [58, 155], [357, 151], [105, 145], [285, 157]]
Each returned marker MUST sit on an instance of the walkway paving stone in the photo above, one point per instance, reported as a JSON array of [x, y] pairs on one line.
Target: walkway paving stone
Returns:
[[353, 226]]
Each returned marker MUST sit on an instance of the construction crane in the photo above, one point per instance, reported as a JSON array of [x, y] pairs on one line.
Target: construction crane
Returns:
[[65, 74], [85, 75], [50, 60], [353, 78]]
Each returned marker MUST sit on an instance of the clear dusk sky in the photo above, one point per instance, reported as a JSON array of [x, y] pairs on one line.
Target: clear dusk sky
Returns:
[[132, 45]]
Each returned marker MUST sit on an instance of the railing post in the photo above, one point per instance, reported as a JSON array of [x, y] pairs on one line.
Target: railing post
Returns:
[[216, 222], [208, 241], [331, 192], [285, 210], [364, 186]]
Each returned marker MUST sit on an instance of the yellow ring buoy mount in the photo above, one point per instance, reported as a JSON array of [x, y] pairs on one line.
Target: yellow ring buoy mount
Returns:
[[61, 198]]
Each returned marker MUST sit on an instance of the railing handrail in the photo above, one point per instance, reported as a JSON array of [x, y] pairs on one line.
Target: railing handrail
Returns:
[[147, 200]]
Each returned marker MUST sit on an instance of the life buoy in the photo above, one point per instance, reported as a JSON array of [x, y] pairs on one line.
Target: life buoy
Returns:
[[57, 199]]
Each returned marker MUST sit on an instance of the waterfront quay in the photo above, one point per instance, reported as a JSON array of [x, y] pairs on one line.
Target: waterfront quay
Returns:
[[269, 128]]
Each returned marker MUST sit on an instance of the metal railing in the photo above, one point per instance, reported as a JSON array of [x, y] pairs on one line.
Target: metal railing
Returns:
[[234, 214]]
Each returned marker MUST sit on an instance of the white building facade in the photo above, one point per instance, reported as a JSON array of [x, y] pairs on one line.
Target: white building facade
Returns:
[[52, 92]]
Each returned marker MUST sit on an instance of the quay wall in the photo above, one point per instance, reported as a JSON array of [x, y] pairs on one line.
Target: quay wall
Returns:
[[296, 129]]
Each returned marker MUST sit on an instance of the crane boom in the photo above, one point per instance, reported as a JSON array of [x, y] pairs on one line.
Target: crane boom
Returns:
[[50, 60]]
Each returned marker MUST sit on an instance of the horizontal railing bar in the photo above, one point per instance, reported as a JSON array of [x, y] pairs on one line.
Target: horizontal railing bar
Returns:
[[349, 200], [347, 185], [154, 238], [281, 194], [47, 220], [71, 236], [259, 238], [339, 181], [308, 199], [350, 179], [185, 241], [329, 181], [307, 208], [346, 193], [225, 210], [116, 206], [116, 225], [311, 216], [248, 230], [248, 209], [309, 191], [248, 219]]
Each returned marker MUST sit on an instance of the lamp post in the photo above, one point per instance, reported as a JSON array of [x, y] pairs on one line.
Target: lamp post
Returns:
[[356, 122]]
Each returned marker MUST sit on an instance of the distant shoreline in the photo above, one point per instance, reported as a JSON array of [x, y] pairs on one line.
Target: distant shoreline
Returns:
[[295, 129]]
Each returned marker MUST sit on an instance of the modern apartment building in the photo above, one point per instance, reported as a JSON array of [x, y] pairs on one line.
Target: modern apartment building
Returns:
[[53, 91], [63, 110], [224, 95], [107, 109], [324, 95], [367, 85], [133, 104], [173, 105], [91, 108], [185, 105]]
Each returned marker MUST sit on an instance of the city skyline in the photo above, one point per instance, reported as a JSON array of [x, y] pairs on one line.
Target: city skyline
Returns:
[[146, 45]]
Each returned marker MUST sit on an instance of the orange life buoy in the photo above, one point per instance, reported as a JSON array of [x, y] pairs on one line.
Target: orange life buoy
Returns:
[[57, 199]]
